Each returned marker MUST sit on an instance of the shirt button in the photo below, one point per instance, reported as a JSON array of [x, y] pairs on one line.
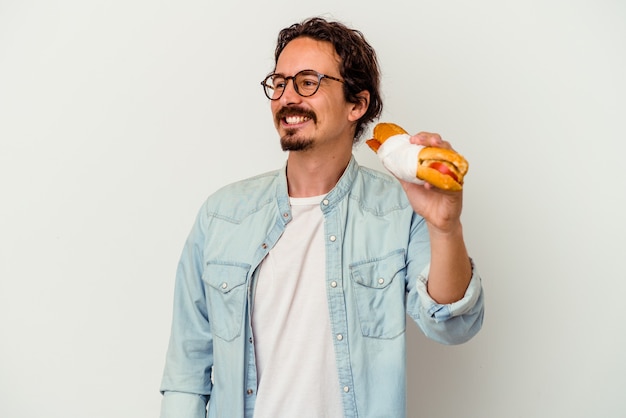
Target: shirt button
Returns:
[[381, 280], [249, 391], [224, 285], [333, 284], [285, 215], [346, 389], [339, 337], [325, 202], [264, 246], [332, 238]]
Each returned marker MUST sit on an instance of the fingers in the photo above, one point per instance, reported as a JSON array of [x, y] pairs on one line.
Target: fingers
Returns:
[[429, 139]]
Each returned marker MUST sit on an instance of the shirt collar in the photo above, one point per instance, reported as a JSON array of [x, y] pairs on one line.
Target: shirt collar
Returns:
[[341, 189]]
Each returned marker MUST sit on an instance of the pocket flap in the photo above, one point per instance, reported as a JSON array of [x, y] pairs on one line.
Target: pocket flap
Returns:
[[378, 273], [226, 276]]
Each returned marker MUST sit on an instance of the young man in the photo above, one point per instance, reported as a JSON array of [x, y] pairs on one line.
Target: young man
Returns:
[[293, 287]]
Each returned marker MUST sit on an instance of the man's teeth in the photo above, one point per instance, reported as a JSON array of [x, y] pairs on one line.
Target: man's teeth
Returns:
[[295, 119]]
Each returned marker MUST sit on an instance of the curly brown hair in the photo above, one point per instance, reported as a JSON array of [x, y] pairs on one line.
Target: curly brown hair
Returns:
[[358, 66]]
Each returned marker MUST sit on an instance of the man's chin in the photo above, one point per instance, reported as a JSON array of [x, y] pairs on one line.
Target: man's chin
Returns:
[[290, 142]]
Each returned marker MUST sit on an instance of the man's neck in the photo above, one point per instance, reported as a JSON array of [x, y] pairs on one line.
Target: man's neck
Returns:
[[309, 174]]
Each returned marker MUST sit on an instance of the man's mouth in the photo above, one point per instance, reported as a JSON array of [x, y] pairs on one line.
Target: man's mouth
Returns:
[[295, 120], [291, 116]]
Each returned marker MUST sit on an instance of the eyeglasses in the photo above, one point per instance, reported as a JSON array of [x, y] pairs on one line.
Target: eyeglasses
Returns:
[[305, 83]]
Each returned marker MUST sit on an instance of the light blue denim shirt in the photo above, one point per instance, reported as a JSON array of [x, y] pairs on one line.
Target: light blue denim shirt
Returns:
[[377, 260]]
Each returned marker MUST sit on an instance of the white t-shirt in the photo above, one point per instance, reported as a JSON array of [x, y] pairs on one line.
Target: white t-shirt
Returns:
[[296, 368]]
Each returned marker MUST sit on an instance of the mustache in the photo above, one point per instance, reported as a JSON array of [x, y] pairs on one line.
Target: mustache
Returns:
[[296, 111]]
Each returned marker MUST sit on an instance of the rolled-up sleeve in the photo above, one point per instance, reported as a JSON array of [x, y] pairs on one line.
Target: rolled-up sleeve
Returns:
[[452, 323], [186, 383], [183, 405]]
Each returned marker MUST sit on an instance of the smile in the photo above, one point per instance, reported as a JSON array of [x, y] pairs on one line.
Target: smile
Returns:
[[295, 120]]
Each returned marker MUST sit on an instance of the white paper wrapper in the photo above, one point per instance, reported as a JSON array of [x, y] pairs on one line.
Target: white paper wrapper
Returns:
[[399, 156]]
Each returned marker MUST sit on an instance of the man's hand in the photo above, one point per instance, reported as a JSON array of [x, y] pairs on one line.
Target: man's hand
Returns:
[[440, 209], [450, 269]]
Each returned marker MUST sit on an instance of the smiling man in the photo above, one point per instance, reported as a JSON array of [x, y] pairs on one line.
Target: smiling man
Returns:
[[293, 287]]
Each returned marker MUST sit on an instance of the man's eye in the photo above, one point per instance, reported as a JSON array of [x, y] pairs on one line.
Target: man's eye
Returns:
[[308, 82], [278, 83]]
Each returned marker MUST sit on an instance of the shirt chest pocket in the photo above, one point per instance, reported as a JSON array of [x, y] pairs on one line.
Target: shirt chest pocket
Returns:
[[226, 298], [380, 295]]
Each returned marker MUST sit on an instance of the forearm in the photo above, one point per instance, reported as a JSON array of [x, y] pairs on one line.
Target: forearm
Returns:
[[450, 266]]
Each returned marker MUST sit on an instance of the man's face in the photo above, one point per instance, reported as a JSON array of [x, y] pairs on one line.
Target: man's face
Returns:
[[305, 123]]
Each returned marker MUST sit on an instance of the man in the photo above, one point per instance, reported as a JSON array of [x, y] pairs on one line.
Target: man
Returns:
[[293, 287]]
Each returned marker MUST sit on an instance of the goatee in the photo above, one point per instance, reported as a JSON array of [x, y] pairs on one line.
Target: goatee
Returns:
[[291, 142]]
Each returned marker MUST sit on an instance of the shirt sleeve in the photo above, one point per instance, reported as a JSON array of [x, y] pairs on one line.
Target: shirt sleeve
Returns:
[[176, 404], [453, 323], [186, 383]]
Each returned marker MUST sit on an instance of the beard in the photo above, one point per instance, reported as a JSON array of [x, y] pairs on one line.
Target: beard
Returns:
[[292, 139], [291, 142]]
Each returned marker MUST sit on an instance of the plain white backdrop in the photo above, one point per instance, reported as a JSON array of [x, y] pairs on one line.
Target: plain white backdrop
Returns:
[[118, 118]]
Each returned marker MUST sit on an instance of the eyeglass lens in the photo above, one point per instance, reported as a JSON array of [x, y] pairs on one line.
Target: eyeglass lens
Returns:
[[305, 83]]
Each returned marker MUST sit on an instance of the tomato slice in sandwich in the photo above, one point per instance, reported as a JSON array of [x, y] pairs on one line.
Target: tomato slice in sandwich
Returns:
[[443, 169]]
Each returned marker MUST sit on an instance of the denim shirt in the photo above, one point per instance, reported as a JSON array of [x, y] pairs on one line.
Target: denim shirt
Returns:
[[377, 260]]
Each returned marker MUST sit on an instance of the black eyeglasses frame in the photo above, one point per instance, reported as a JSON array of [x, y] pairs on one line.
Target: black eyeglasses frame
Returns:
[[268, 89]]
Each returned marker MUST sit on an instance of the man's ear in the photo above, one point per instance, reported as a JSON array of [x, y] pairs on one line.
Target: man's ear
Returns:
[[358, 109]]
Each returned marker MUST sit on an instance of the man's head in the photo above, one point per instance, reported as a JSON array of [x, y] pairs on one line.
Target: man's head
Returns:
[[357, 63]]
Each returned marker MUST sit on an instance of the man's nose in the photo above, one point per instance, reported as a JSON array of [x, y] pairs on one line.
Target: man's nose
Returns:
[[290, 95]]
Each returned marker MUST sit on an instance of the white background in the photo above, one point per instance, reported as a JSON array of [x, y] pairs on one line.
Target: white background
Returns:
[[118, 118]]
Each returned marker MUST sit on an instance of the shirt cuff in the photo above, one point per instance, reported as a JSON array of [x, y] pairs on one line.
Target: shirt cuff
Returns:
[[441, 312], [179, 404]]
